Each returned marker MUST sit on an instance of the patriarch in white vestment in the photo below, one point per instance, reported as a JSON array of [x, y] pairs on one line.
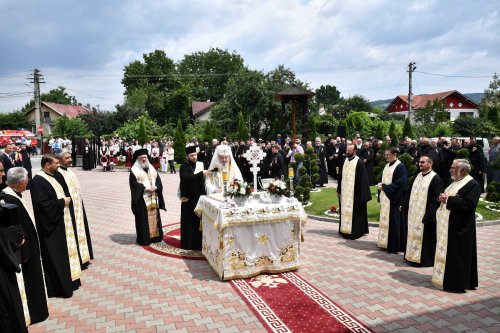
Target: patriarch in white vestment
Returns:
[[222, 161]]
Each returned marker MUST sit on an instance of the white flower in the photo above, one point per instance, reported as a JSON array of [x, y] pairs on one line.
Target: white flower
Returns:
[[242, 190]]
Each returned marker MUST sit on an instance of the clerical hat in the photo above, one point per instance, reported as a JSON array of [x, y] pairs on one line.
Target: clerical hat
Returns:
[[191, 149], [139, 152]]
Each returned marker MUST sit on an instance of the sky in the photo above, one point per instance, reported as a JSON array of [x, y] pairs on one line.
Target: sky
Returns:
[[360, 46]]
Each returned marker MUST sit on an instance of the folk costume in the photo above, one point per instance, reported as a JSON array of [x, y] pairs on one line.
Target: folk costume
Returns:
[[392, 231], [422, 193], [58, 244], [146, 205], [455, 265], [354, 192], [71, 187], [155, 157], [32, 271], [191, 187]]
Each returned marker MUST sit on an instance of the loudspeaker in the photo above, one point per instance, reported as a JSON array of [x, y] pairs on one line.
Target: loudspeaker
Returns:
[[341, 131]]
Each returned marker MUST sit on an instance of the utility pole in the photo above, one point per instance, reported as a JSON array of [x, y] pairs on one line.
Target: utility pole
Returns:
[[36, 80], [411, 69]]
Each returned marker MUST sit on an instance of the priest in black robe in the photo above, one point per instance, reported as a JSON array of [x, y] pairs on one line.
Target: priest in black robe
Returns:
[[354, 193], [17, 180], [11, 239], [67, 179], [392, 228], [147, 199], [320, 151], [455, 265], [368, 157], [87, 156], [191, 187], [58, 244], [423, 192]]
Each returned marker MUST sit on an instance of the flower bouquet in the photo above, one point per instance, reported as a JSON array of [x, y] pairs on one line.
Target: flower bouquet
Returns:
[[239, 191], [334, 212], [277, 190]]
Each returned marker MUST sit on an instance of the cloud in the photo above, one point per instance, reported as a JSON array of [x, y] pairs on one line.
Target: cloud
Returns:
[[360, 46]]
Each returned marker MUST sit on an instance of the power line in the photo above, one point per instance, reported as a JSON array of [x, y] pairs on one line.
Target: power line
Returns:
[[456, 76]]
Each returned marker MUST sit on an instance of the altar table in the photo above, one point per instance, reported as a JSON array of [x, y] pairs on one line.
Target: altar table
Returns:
[[241, 242]]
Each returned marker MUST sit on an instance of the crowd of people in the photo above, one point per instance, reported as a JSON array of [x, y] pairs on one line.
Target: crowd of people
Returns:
[[43, 254], [431, 218]]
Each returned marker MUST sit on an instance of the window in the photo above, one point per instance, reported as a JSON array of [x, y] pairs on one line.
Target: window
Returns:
[[46, 114], [466, 114]]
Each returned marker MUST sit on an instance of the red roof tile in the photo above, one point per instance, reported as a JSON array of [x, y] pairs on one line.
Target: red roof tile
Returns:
[[71, 111], [201, 107]]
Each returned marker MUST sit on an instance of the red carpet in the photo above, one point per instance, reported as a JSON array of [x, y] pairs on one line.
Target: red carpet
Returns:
[[286, 303], [171, 245]]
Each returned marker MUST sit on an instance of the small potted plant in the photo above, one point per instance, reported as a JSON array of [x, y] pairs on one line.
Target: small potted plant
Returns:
[[239, 191]]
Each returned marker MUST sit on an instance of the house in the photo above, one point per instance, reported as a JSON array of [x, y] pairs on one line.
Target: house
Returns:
[[456, 104], [52, 111], [201, 110]]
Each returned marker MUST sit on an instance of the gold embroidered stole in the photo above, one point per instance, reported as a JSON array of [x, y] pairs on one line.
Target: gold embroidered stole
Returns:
[[74, 190], [148, 179], [347, 194], [10, 191], [416, 212], [385, 206], [24, 299], [74, 261], [443, 217]]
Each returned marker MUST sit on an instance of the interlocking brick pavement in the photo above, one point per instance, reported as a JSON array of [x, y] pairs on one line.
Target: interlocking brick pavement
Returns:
[[128, 289]]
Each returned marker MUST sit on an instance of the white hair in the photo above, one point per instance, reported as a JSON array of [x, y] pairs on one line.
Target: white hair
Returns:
[[463, 165], [16, 175]]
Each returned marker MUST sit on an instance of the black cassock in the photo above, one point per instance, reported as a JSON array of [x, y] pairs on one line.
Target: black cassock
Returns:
[[141, 212], [429, 220], [369, 155], [361, 197], [11, 305], [192, 186], [395, 192], [323, 173], [49, 219], [461, 257], [87, 160], [60, 179], [31, 264]]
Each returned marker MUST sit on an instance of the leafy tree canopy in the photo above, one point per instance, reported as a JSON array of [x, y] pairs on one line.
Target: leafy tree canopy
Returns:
[[58, 95], [70, 128], [357, 103], [327, 95], [14, 120]]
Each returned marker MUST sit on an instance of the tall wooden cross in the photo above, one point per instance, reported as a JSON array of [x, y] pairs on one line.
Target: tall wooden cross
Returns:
[[254, 155]]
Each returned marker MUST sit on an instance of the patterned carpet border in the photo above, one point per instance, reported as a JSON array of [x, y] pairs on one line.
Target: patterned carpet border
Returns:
[[165, 249], [273, 323]]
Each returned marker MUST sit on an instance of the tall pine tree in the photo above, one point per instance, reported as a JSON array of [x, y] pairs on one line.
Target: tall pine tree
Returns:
[[407, 130], [179, 143]]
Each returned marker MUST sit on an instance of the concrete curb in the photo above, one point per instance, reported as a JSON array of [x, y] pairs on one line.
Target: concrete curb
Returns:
[[375, 224]]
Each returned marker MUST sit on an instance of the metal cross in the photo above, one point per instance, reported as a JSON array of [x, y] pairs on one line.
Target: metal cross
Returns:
[[254, 155]]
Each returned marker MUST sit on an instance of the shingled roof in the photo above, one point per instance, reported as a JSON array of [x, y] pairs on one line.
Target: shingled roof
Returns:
[[199, 108]]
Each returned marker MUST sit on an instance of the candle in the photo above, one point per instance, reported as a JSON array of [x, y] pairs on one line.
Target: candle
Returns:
[[290, 172], [225, 176]]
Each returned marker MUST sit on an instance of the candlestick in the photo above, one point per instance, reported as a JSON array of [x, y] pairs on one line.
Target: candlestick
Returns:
[[290, 173], [225, 176]]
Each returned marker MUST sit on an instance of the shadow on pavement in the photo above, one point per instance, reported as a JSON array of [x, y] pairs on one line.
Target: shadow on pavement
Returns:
[[123, 239], [413, 278], [201, 270]]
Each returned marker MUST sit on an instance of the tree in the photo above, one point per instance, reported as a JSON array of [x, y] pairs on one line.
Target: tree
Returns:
[[207, 73], [210, 131], [179, 143], [153, 86], [100, 122], [246, 94], [313, 131], [358, 122], [132, 129], [242, 133], [326, 124], [57, 95], [493, 115], [14, 120], [433, 113], [407, 130], [393, 134], [357, 103], [70, 128], [492, 93], [327, 95], [468, 126]]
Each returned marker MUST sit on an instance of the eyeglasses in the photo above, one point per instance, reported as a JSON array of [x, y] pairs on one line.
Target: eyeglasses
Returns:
[[422, 162]]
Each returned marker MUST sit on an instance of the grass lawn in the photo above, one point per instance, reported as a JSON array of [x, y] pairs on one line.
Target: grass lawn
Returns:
[[321, 201]]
